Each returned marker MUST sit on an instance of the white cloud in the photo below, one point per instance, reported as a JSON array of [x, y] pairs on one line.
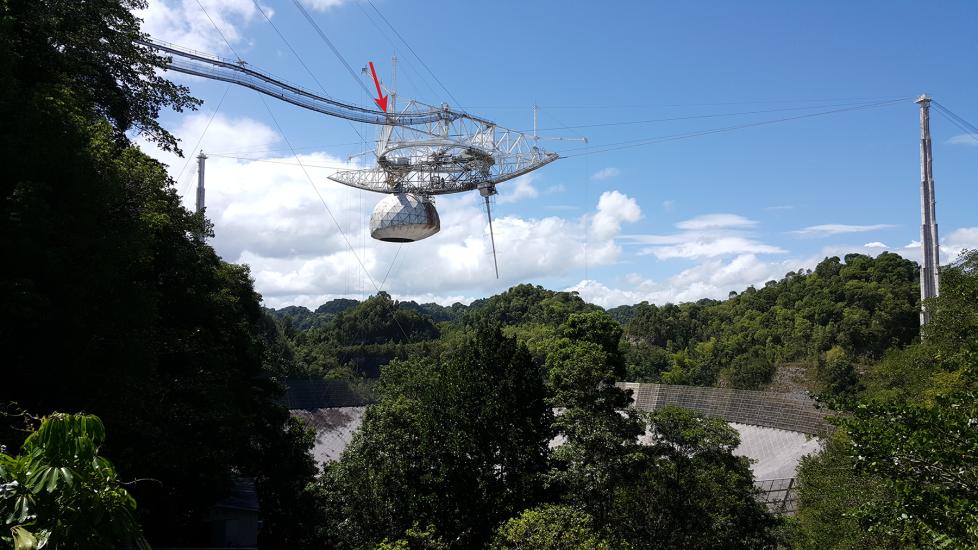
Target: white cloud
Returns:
[[716, 277], [517, 190], [267, 214], [839, 229], [710, 279], [706, 247], [606, 173], [706, 236], [184, 23], [324, 5], [668, 205], [614, 208], [964, 139], [875, 244], [959, 240], [716, 221], [952, 245]]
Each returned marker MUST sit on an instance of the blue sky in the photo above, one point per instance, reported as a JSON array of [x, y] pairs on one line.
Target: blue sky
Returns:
[[669, 221]]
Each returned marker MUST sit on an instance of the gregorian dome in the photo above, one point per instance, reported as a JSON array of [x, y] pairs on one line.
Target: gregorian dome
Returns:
[[404, 218]]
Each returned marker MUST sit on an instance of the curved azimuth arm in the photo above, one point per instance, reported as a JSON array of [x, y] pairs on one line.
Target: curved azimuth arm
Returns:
[[199, 64]]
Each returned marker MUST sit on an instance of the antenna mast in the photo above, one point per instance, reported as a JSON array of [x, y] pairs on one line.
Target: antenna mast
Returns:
[[929, 243]]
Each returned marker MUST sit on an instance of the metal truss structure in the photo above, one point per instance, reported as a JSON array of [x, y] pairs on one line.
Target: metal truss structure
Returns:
[[446, 156], [422, 149]]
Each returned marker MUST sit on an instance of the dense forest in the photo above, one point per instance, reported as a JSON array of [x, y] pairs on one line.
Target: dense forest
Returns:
[[143, 379], [862, 306]]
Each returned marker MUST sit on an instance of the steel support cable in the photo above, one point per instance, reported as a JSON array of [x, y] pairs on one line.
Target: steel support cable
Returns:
[[431, 90], [625, 106], [286, 150], [218, 29], [969, 129], [391, 267], [695, 117], [298, 58], [286, 163], [650, 141], [967, 132], [415, 54], [964, 122], [420, 76], [329, 43]]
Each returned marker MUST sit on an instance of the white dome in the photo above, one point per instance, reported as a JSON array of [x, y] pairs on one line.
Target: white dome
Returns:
[[404, 218]]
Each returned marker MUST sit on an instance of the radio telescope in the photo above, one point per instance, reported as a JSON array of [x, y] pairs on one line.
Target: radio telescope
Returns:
[[421, 151]]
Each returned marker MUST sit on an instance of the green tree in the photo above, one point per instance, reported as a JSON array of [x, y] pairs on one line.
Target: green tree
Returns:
[[830, 492], [601, 432], [92, 52], [751, 371], [550, 527], [416, 539], [60, 492], [458, 442], [907, 451], [927, 456], [380, 320], [691, 491], [111, 290], [836, 375], [954, 324]]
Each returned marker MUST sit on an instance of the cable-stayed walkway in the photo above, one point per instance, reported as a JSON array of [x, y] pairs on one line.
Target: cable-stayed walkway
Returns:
[[204, 65]]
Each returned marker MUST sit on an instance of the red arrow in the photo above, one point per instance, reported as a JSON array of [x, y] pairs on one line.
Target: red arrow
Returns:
[[382, 99]]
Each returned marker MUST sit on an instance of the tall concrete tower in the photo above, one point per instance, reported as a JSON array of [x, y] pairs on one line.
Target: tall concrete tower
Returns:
[[201, 160], [929, 243]]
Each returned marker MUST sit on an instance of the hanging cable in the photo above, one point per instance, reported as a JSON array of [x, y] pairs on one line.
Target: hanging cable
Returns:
[[299, 59], [415, 54], [969, 129], [649, 141], [329, 43], [391, 267], [410, 67], [693, 117], [218, 29], [286, 163]]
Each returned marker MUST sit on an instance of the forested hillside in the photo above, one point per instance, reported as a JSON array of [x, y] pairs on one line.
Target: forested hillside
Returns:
[[863, 306]]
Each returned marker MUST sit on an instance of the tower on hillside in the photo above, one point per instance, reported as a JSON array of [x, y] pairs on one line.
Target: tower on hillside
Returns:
[[201, 159], [929, 244]]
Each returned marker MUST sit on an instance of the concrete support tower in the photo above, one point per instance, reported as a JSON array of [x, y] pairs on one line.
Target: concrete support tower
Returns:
[[929, 275], [201, 159]]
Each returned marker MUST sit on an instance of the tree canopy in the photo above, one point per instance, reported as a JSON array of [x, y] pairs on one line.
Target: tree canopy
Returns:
[[113, 302]]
